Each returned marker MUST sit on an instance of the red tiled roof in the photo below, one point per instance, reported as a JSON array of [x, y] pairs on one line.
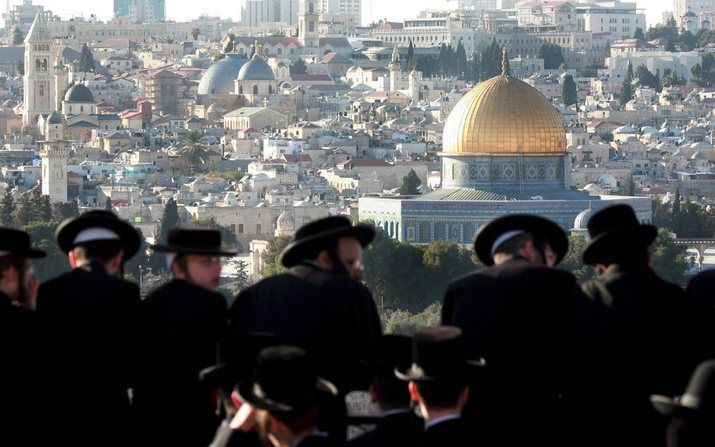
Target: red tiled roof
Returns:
[[391, 25]]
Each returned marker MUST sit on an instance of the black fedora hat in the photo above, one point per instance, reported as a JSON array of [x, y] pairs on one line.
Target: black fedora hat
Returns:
[[235, 357], [699, 397], [315, 236], [615, 229], [285, 380], [202, 241], [17, 242], [392, 351], [439, 354], [490, 233], [70, 232]]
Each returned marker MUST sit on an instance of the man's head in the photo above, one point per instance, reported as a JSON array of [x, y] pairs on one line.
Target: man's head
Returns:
[[16, 280], [201, 270], [12, 277], [389, 392], [532, 238], [107, 253], [343, 257], [285, 428]]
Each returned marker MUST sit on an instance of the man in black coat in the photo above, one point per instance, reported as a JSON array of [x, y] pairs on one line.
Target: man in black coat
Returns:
[[235, 360], [398, 425], [183, 321], [701, 291], [516, 314], [20, 341], [318, 306], [284, 397], [438, 383], [631, 339], [92, 315]]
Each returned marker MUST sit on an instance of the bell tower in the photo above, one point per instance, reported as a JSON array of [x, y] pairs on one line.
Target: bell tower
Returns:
[[308, 18], [38, 81], [54, 170]]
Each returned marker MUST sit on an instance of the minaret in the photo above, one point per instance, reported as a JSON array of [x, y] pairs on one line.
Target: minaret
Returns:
[[54, 171], [395, 71], [308, 33], [38, 83], [61, 83], [414, 80]]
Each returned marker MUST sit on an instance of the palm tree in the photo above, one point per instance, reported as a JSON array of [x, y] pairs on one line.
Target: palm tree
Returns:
[[194, 153]]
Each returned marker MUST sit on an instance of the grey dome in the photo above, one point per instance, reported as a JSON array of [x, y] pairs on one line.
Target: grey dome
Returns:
[[54, 118], [79, 93], [218, 79], [256, 70]]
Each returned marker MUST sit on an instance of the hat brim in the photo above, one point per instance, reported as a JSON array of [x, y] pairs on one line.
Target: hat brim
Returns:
[[250, 392], [302, 249], [418, 374], [602, 245], [31, 253], [129, 237], [223, 375], [549, 230], [183, 249]]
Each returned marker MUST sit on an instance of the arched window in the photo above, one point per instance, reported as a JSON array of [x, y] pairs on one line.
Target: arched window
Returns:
[[311, 27], [41, 90], [279, 51], [310, 8], [270, 89], [255, 89], [81, 109]]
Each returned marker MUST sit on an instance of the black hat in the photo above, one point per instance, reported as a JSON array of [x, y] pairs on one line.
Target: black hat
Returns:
[[16, 242], [439, 353], [615, 229], [98, 225], [199, 241], [235, 357], [699, 396], [490, 233], [285, 380], [315, 236]]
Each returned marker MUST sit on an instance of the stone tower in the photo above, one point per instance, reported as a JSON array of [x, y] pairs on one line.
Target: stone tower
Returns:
[[414, 81], [395, 71], [61, 83], [38, 82], [308, 33], [54, 171]]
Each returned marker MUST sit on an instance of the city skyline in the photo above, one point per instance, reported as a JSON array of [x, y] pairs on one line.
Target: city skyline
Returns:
[[182, 10]]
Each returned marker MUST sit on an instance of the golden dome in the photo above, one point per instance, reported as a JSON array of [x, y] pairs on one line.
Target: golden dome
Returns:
[[504, 116]]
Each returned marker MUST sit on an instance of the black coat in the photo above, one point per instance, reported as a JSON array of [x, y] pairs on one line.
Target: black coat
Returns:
[[22, 385], [395, 430], [332, 317], [92, 320], [316, 441], [631, 341], [519, 317], [228, 437], [701, 291], [451, 433], [182, 323]]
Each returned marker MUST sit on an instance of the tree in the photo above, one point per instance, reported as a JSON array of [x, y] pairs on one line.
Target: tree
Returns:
[[195, 33], [639, 34], [670, 261], [169, 220], [17, 36], [552, 54], [687, 41], [62, 211], [461, 68], [271, 256], [403, 322], [568, 91], [572, 261], [410, 184], [24, 214], [7, 210], [627, 87], [411, 61], [42, 235], [86, 60], [194, 153], [646, 78], [298, 67], [704, 72]]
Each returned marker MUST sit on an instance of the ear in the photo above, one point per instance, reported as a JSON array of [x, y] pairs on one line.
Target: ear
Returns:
[[235, 399], [464, 395], [73, 259], [373, 393], [414, 393], [324, 260]]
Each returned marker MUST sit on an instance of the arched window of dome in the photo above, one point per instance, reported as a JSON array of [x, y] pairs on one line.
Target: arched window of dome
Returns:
[[255, 89]]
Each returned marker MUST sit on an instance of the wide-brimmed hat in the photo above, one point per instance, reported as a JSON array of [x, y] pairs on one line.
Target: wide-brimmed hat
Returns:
[[494, 233], [200, 241], [235, 357], [613, 230], [439, 354], [16, 242], [699, 397], [285, 380], [318, 235], [98, 225]]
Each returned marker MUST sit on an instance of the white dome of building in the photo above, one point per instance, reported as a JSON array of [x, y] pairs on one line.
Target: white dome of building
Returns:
[[581, 221], [285, 224]]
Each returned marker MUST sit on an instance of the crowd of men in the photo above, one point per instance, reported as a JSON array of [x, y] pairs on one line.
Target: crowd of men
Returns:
[[524, 355]]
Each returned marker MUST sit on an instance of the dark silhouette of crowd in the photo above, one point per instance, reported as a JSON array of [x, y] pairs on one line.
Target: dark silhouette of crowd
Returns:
[[524, 354]]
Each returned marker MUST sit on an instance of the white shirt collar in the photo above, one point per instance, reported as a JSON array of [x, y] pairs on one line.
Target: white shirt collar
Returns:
[[439, 420]]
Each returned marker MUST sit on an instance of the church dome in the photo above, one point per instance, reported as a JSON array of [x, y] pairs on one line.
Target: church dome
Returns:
[[256, 70], [79, 93], [504, 116], [218, 79], [54, 118]]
